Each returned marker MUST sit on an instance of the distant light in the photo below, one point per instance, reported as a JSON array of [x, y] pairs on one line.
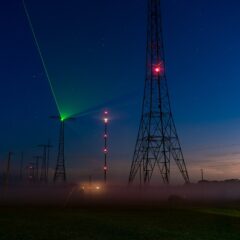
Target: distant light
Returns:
[[97, 187], [105, 150], [106, 112], [106, 120], [105, 135], [157, 69], [105, 168]]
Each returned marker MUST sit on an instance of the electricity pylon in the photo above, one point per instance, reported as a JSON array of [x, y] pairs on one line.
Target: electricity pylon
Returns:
[[45, 160]]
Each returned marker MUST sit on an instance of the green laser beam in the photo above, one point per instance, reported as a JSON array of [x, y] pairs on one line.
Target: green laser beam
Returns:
[[80, 80], [40, 53]]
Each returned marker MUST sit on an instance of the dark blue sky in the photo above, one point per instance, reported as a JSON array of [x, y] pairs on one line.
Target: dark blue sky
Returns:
[[202, 57]]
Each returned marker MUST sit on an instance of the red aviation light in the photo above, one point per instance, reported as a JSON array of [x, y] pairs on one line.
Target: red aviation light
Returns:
[[105, 150], [158, 68], [105, 168]]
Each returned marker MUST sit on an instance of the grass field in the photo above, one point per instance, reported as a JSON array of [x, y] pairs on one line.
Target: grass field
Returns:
[[119, 223]]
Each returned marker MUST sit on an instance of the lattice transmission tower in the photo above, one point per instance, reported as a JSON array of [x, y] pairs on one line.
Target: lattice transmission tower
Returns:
[[45, 161], [157, 142]]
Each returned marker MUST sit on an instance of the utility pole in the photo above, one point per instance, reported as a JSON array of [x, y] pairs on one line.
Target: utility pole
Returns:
[[157, 141]]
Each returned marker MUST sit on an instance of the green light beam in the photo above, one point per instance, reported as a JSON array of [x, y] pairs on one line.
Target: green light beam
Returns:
[[40, 54]]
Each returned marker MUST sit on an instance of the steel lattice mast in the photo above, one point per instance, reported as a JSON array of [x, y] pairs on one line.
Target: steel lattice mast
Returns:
[[44, 167], [60, 170], [105, 167], [157, 141]]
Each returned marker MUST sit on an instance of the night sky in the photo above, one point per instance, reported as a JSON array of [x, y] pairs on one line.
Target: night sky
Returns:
[[94, 52]]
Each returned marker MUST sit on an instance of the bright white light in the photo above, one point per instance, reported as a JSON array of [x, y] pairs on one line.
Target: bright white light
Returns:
[[106, 120]]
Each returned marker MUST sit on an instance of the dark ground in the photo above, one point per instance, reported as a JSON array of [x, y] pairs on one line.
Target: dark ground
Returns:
[[119, 222], [65, 212]]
